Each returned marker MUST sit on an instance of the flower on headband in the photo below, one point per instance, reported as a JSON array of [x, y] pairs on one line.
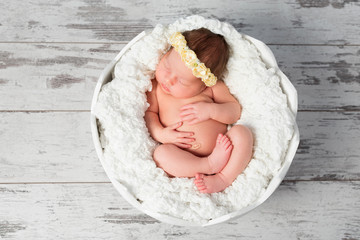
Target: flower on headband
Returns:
[[178, 41], [200, 70], [188, 56]]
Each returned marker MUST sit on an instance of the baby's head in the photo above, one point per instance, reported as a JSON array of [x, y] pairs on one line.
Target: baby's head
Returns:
[[177, 79], [210, 48]]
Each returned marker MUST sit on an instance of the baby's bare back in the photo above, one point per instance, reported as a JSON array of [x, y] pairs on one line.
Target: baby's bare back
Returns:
[[205, 132]]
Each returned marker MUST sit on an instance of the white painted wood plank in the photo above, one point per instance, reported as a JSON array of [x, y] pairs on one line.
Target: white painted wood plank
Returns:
[[299, 210], [47, 147], [63, 76], [326, 77], [50, 147], [51, 76], [329, 147], [281, 22], [57, 147]]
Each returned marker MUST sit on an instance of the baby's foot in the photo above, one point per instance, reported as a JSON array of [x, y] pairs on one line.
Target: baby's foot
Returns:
[[211, 184], [220, 155]]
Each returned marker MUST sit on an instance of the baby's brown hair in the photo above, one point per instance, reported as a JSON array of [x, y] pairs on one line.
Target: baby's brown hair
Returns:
[[210, 48]]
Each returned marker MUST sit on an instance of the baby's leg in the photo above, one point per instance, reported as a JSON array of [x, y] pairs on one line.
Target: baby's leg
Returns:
[[180, 163], [242, 140]]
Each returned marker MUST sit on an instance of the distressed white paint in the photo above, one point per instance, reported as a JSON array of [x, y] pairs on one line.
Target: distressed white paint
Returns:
[[303, 210], [63, 76], [57, 147], [285, 22], [48, 147], [51, 54], [51, 76]]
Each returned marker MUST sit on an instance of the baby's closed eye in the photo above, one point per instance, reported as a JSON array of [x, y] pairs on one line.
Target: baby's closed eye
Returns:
[[182, 82]]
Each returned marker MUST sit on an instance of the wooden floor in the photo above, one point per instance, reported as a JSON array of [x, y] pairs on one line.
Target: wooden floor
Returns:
[[52, 185]]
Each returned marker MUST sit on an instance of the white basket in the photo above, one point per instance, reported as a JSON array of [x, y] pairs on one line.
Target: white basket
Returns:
[[288, 89]]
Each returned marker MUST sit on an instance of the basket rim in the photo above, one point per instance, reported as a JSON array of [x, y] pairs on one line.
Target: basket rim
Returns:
[[289, 90]]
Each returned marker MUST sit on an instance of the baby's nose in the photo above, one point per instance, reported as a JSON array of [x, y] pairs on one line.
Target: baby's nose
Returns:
[[171, 81]]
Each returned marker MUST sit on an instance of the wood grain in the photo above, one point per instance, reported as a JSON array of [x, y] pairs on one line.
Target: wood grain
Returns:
[[52, 185], [48, 147], [57, 147], [328, 148], [302, 210], [51, 76], [63, 76], [325, 77], [290, 22]]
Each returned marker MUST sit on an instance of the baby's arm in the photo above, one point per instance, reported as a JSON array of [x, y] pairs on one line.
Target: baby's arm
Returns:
[[225, 109], [152, 114], [160, 133]]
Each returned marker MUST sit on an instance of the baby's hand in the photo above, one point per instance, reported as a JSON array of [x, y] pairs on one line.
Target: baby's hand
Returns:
[[196, 112], [181, 139]]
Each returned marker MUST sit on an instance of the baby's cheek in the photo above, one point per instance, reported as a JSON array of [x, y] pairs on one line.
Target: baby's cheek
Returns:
[[160, 75]]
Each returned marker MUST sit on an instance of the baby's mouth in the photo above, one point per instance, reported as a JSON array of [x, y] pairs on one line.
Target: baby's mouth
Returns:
[[165, 88]]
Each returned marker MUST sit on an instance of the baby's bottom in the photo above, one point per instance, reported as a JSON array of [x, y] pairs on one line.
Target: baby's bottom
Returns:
[[229, 158]]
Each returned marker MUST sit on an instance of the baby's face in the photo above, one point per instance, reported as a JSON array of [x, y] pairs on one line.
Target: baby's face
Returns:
[[175, 78]]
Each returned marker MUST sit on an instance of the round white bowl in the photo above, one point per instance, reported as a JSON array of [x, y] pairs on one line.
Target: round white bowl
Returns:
[[288, 89]]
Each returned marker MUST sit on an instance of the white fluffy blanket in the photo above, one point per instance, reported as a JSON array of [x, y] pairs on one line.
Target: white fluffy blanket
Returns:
[[128, 146]]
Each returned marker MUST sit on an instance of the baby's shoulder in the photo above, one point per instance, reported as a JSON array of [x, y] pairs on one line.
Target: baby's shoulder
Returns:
[[152, 96], [154, 84], [221, 92], [219, 88], [219, 84], [153, 89]]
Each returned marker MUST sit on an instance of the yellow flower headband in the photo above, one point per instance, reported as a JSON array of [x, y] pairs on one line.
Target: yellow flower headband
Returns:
[[188, 56]]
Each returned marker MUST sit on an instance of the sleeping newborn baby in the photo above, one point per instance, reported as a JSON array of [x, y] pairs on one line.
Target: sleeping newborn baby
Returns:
[[189, 112]]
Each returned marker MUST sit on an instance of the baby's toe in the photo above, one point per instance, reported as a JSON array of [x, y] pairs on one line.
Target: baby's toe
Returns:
[[199, 183], [219, 137], [201, 187], [199, 176], [229, 148], [205, 191], [226, 143]]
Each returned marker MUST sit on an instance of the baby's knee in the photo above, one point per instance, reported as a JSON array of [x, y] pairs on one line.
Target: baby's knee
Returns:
[[162, 152], [241, 134]]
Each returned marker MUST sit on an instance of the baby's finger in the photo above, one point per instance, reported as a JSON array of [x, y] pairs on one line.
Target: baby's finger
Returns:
[[185, 134], [188, 106], [188, 117], [186, 140], [176, 125], [183, 145], [194, 121], [186, 112]]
